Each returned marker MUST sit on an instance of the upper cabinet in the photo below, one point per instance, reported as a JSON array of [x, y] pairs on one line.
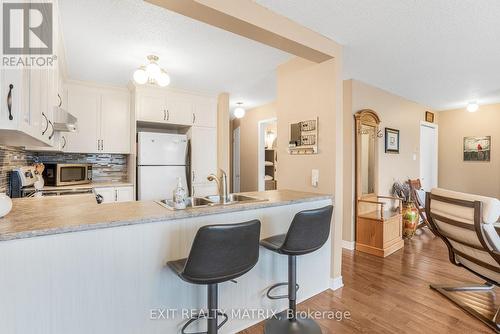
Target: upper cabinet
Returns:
[[103, 119], [157, 105]]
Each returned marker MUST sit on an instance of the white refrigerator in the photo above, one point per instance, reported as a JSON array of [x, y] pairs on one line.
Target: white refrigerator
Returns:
[[161, 159]]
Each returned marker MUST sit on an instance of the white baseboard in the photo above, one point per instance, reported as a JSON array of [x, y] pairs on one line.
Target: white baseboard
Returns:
[[350, 245], [336, 283]]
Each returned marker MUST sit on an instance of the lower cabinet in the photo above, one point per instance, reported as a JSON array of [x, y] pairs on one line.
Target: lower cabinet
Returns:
[[116, 194]]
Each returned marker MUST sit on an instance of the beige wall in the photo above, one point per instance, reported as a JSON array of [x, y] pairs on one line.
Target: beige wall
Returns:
[[394, 112], [481, 178], [306, 90], [249, 144], [223, 134]]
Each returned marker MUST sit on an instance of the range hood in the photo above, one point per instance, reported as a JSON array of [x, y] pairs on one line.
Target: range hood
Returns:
[[64, 121]]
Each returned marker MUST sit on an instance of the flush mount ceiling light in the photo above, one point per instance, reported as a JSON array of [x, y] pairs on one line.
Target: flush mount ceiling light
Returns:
[[152, 73], [472, 107], [239, 112]]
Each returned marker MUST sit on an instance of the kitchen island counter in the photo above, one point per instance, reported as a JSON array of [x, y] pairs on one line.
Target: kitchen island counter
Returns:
[[31, 217], [110, 275]]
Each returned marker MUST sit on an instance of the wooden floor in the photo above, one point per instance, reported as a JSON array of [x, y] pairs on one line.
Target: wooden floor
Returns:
[[392, 295]]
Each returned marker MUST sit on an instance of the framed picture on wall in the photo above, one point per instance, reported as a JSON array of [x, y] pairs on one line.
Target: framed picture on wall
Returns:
[[391, 140], [429, 117], [477, 148]]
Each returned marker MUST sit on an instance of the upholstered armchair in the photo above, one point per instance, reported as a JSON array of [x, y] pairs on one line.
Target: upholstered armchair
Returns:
[[466, 223]]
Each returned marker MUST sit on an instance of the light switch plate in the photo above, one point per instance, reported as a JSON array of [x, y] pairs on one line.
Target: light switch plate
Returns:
[[314, 177]]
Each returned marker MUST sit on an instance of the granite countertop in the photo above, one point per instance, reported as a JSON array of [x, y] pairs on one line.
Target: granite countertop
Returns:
[[31, 217]]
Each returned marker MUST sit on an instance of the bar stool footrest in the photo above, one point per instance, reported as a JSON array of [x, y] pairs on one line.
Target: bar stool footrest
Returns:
[[275, 297], [203, 316]]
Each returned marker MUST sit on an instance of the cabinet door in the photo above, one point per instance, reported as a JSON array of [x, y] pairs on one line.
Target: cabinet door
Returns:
[[83, 103], [108, 194], [125, 194], [151, 107], [115, 122], [179, 109], [203, 153], [33, 115], [205, 112]]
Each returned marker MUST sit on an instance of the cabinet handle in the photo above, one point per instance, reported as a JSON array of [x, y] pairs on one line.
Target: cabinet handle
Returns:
[[164, 115], [102, 144], [60, 100], [116, 195], [193, 175], [9, 101], [194, 118], [52, 133], [46, 124], [64, 145], [168, 115]]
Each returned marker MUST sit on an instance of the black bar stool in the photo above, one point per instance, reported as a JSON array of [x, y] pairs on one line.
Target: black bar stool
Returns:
[[308, 232], [219, 253]]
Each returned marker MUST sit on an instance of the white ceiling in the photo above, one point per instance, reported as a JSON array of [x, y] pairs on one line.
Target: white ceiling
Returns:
[[106, 40], [441, 53]]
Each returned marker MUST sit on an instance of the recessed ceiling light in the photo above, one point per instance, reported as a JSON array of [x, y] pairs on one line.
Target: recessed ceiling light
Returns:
[[472, 107]]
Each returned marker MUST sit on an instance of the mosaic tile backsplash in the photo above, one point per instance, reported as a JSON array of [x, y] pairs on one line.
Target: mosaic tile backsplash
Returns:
[[106, 167]]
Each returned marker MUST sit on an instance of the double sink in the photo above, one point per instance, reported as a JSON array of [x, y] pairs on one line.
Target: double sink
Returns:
[[214, 200]]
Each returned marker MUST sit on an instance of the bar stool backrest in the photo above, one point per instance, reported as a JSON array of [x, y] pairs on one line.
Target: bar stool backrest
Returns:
[[223, 252], [308, 232]]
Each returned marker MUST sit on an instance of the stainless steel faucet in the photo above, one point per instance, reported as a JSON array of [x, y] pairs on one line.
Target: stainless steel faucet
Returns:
[[221, 185]]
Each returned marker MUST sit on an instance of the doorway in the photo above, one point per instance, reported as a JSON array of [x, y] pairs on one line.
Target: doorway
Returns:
[[428, 155], [267, 164], [236, 160]]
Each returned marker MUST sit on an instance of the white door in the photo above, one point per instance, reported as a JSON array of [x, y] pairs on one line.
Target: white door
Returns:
[[151, 107], [428, 156], [115, 122], [158, 182], [124, 194], [108, 194], [161, 149], [236, 160], [203, 153], [84, 104]]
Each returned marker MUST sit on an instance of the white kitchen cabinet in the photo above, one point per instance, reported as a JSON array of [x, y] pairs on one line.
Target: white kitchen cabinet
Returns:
[[151, 106], [125, 194], [103, 119], [115, 122], [84, 104], [173, 107], [108, 194], [205, 112], [179, 109], [116, 194], [203, 154]]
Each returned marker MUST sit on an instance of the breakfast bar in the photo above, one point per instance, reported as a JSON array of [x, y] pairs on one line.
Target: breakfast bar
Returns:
[[75, 266]]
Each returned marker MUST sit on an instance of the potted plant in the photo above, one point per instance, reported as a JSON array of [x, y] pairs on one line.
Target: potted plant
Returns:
[[409, 211]]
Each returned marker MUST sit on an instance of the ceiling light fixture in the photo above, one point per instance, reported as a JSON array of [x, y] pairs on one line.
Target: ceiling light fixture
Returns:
[[472, 107], [239, 112], [152, 73]]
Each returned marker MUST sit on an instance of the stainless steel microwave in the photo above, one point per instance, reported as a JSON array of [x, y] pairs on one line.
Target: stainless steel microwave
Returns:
[[67, 174]]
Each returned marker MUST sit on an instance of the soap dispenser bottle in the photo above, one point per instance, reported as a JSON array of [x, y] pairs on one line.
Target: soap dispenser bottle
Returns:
[[179, 195]]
